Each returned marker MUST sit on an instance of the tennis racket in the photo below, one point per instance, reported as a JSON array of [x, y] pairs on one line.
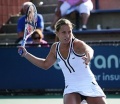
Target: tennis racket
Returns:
[[30, 24]]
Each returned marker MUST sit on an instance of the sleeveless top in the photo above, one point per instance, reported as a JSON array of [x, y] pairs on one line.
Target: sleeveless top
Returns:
[[74, 70], [78, 76]]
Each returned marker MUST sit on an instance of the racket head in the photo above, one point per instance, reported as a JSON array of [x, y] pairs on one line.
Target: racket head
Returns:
[[30, 22], [31, 16]]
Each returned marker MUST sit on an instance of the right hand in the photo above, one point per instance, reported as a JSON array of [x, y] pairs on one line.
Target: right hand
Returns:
[[24, 51]]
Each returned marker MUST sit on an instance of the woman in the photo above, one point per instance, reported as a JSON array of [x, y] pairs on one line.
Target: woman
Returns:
[[37, 39], [65, 7], [73, 56]]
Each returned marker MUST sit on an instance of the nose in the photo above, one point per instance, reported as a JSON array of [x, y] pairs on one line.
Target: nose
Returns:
[[67, 34]]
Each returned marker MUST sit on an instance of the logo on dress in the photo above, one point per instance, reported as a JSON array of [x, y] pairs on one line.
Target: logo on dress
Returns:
[[58, 60], [73, 58], [66, 86]]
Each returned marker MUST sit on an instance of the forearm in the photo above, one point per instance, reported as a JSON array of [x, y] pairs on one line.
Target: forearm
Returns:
[[39, 62], [89, 53]]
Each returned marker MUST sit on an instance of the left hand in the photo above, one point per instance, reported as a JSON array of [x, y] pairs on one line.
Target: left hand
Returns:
[[86, 58]]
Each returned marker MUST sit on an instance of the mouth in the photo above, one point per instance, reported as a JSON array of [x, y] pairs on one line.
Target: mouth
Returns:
[[66, 40]]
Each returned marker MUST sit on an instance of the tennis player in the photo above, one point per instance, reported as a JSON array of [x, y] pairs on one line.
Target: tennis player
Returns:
[[73, 56]]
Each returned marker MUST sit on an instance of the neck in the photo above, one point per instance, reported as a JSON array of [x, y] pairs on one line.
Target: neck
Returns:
[[65, 45]]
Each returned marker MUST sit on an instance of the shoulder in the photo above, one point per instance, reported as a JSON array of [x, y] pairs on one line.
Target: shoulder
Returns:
[[39, 16], [78, 42], [53, 47], [21, 18]]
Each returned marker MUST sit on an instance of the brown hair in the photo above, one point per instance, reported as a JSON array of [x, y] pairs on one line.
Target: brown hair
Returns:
[[61, 22], [39, 32]]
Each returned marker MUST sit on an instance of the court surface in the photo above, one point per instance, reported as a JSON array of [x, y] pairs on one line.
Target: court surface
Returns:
[[113, 99]]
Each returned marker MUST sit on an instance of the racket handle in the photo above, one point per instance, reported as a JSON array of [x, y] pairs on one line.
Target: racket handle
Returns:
[[20, 52]]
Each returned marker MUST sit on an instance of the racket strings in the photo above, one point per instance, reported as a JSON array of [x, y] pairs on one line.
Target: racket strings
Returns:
[[31, 18], [30, 22]]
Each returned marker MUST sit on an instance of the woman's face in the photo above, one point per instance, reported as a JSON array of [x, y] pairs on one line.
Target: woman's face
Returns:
[[36, 39], [65, 34]]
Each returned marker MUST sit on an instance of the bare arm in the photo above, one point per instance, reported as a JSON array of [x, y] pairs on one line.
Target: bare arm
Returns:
[[59, 3], [83, 48], [88, 52], [41, 62], [58, 12]]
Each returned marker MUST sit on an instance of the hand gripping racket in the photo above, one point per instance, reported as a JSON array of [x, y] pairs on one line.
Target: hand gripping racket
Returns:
[[30, 24]]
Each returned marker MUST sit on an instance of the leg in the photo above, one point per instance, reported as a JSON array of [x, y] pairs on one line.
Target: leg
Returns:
[[62, 12], [84, 17], [56, 17], [72, 98], [58, 14], [84, 11], [96, 100]]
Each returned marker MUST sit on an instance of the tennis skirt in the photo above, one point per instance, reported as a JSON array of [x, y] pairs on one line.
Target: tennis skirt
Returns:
[[91, 89]]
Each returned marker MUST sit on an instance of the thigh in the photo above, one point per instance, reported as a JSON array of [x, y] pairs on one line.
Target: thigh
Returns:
[[85, 7], [64, 8], [72, 98], [96, 100]]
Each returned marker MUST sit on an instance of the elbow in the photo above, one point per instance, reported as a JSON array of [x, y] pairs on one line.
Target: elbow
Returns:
[[45, 67]]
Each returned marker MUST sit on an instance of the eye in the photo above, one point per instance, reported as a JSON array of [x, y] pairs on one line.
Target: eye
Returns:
[[69, 32], [63, 32]]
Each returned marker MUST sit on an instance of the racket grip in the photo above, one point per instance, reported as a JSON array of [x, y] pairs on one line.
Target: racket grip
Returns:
[[20, 52]]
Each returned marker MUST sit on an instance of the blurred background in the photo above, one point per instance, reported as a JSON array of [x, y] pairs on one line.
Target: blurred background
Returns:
[[19, 77]]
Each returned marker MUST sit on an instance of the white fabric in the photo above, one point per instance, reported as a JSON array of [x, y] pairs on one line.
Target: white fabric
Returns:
[[85, 7], [78, 77]]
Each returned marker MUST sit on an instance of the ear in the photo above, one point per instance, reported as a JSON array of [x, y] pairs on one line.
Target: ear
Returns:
[[56, 33]]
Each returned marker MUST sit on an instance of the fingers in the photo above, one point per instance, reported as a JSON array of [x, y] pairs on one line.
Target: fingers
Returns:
[[86, 60], [22, 51]]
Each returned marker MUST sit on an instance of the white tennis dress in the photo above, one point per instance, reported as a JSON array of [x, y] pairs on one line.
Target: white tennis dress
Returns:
[[78, 77]]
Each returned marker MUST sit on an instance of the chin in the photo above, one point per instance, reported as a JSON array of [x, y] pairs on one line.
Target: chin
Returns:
[[66, 41]]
